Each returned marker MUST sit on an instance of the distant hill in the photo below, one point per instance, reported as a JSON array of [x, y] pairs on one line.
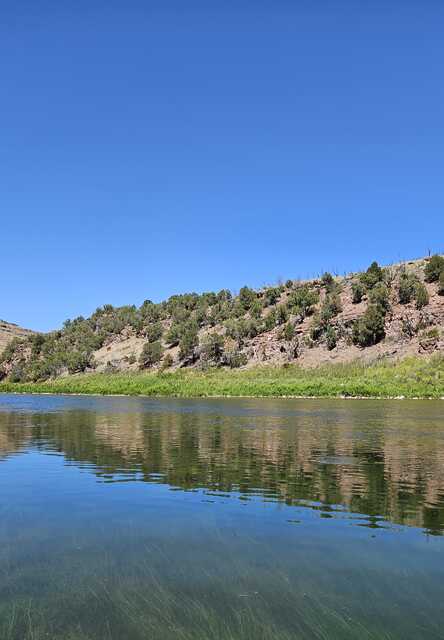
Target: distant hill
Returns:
[[389, 312], [8, 331]]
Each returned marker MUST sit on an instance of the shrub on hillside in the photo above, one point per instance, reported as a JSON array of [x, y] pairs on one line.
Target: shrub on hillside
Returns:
[[37, 341], [330, 307], [238, 329], [389, 275], [406, 288], [179, 315], [281, 314], [421, 295], [151, 354], [358, 292], [208, 298], [220, 312], [50, 367], [253, 328], [441, 284], [237, 310], [328, 281], [212, 348], [271, 319], [173, 334], [302, 300], [188, 342], [434, 268], [18, 373], [153, 332], [77, 361], [149, 311], [231, 329], [224, 295], [369, 329], [380, 296], [316, 328], [246, 297], [199, 315], [288, 332], [256, 309], [372, 276], [271, 296], [331, 338]]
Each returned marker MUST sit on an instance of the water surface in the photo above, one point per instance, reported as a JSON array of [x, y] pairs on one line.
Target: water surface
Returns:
[[128, 519]]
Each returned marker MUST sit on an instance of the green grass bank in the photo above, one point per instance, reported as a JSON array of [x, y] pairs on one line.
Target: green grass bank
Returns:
[[410, 378]]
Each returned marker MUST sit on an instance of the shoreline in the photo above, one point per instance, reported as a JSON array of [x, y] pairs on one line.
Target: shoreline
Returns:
[[212, 397]]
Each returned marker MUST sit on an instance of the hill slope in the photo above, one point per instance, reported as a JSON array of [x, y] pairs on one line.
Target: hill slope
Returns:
[[392, 312], [9, 331]]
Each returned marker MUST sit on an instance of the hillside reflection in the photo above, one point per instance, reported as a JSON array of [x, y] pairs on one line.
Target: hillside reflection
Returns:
[[370, 461]]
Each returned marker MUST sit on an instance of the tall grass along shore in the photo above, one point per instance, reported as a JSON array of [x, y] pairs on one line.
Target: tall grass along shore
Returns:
[[410, 378]]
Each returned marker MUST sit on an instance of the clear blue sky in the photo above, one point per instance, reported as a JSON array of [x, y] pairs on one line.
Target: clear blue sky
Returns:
[[151, 148]]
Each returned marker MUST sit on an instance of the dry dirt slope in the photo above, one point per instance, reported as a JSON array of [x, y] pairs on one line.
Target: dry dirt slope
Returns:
[[8, 331]]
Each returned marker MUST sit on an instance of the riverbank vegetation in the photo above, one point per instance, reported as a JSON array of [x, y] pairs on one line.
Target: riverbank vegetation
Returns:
[[410, 378]]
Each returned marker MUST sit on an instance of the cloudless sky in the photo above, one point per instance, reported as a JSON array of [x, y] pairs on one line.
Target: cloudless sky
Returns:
[[151, 148]]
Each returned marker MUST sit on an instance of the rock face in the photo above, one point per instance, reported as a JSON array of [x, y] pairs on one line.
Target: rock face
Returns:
[[9, 331]]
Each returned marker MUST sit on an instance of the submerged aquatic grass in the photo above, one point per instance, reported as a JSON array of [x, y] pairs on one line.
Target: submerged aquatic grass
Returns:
[[242, 520], [409, 378], [163, 604]]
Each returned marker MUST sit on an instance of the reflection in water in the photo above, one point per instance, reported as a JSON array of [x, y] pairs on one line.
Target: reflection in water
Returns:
[[382, 460], [238, 519]]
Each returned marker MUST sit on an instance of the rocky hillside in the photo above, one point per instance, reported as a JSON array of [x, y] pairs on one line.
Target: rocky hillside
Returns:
[[9, 331], [383, 312]]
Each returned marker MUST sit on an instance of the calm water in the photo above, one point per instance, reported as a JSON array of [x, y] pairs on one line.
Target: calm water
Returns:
[[123, 519]]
